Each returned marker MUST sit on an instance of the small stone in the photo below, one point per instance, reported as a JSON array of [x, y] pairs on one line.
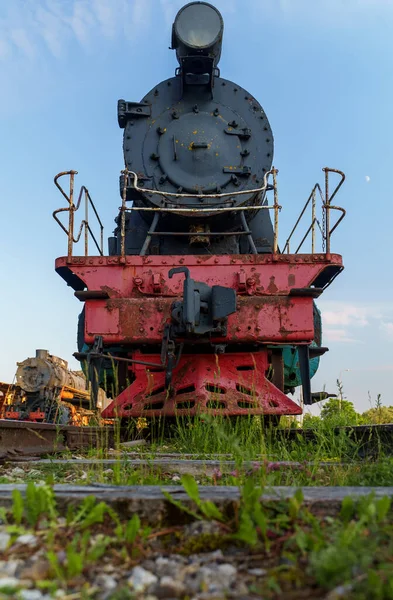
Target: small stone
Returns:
[[141, 579], [17, 472], [257, 572], [106, 581], [8, 567], [9, 583], [60, 593], [27, 539], [209, 557], [30, 595], [4, 540], [169, 588], [175, 478], [216, 579], [227, 571], [202, 528], [108, 568], [168, 566], [37, 571]]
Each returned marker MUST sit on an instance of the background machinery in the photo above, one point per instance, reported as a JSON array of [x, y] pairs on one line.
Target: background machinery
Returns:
[[47, 391]]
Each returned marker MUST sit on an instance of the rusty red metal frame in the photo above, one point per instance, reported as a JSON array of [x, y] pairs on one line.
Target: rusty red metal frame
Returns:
[[128, 301], [226, 384]]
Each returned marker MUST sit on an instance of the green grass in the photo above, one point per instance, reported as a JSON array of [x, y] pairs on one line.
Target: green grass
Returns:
[[303, 555], [244, 441]]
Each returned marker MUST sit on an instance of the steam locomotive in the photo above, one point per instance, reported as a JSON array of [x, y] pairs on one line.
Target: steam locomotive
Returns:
[[195, 309], [47, 391]]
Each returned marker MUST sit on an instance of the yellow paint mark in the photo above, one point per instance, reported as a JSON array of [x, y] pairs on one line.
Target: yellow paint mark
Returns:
[[216, 153], [196, 131], [177, 141]]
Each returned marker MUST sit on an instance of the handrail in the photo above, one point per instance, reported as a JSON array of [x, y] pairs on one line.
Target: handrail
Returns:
[[169, 198], [212, 209], [326, 206], [71, 209]]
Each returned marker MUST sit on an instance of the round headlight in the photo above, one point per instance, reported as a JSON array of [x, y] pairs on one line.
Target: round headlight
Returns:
[[198, 25]]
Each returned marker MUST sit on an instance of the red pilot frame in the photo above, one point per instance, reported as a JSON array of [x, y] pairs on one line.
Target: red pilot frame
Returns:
[[128, 302]]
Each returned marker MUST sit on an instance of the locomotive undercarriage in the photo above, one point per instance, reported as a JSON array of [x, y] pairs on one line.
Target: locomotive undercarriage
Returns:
[[64, 406]]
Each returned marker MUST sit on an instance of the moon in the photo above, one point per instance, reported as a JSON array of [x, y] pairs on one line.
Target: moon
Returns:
[[367, 178]]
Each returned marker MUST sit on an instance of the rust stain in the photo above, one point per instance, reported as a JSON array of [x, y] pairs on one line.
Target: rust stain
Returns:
[[291, 279], [272, 288]]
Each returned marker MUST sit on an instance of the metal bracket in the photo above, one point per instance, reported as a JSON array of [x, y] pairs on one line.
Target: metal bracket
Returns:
[[243, 133], [204, 309], [238, 170], [157, 285], [127, 110], [168, 354], [304, 364], [94, 364]]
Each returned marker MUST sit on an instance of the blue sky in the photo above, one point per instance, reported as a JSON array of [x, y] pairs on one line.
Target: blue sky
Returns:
[[323, 73]]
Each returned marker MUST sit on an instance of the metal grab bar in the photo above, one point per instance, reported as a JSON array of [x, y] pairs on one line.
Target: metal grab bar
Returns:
[[212, 209], [71, 209], [326, 206]]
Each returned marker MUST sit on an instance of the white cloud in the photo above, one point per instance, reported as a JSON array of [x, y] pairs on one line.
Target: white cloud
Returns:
[[387, 329], [338, 335], [27, 26], [22, 41], [347, 314], [348, 321], [367, 178], [327, 13]]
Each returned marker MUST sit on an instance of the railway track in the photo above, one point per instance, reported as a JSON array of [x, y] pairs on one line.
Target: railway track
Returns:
[[24, 439], [21, 438], [153, 506]]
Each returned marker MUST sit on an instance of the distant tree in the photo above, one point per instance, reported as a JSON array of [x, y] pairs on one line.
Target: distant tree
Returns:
[[342, 412], [378, 415]]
